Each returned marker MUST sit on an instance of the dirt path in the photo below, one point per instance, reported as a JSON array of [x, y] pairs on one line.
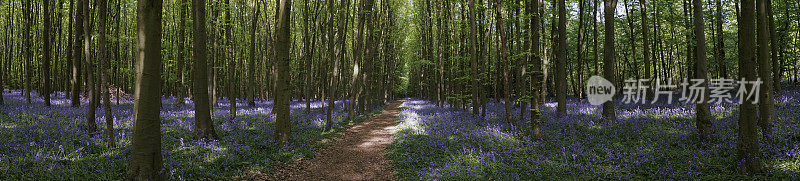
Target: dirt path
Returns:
[[357, 155]]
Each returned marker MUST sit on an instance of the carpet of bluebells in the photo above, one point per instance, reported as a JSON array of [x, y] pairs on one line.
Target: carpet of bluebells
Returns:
[[50, 143], [656, 141]]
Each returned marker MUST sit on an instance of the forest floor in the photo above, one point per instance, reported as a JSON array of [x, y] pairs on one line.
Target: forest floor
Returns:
[[358, 155], [50, 143]]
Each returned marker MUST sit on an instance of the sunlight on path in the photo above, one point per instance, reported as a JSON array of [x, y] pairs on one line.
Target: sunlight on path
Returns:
[[357, 155]]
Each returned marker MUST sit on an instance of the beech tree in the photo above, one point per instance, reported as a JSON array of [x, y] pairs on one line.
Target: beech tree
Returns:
[[45, 92], [203, 126], [283, 127], [609, 54], [146, 162], [747, 159], [104, 64], [705, 126], [561, 57], [766, 107]]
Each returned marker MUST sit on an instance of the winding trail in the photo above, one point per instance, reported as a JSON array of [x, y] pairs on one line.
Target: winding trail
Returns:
[[357, 155]]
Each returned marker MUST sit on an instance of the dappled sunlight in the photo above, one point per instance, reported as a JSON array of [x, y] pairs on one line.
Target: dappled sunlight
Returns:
[[50, 142], [495, 132], [644, 142], [411, 121]]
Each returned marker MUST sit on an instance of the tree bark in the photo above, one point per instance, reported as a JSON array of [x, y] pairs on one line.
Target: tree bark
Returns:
[[180, 101], [103, 59], [773, 38], [90, 111], [536, 72], [747, 147], [46, 54], [283, 126], [203, 126], [646, 44], [766, 104], [561, 60], [705, 126], [473, 49], [580, 55], [76, 55], [231, 61], [28, 48], [146, 162], [251, 69], [720, 48], [609, 54], [504, 60]]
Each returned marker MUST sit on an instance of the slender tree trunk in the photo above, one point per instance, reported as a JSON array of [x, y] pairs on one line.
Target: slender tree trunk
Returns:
[[180, 101], [747, 142], [103, 59], [720, 48], [282, 126], [9, 48], [536, 72], [146, 162], [504, 60], [28, 48], [76, 55], [580, 55], [595, 34], [766, 106], [609, 54], [251, 69], [45, 92], [117, 52], [90, 111], [646, 44], [773, 38], [473, 49], [331, 37], [705, 126], [203, 126], [484, 52], [212, 90], [232, 61], [561, 62]]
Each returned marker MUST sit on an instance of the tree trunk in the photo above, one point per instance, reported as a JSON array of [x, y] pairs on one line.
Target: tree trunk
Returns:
[[103, 59], [705, 126], [720, 48], [45, 92], [504, 60], [473, 49], [251, 69], [581, 36], [536, 72], [561, 60], [146, 162], [232, 61], [747, 154], [766, 106], [646, 44], [28, 48], [203, 126], [76, 55], [90, 111], [594, 37], [180, 101], [609, 54], [212, 89], [283, 125], [776, 66]]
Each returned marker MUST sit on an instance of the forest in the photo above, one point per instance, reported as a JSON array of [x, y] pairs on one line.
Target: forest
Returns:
[[399, 90]]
